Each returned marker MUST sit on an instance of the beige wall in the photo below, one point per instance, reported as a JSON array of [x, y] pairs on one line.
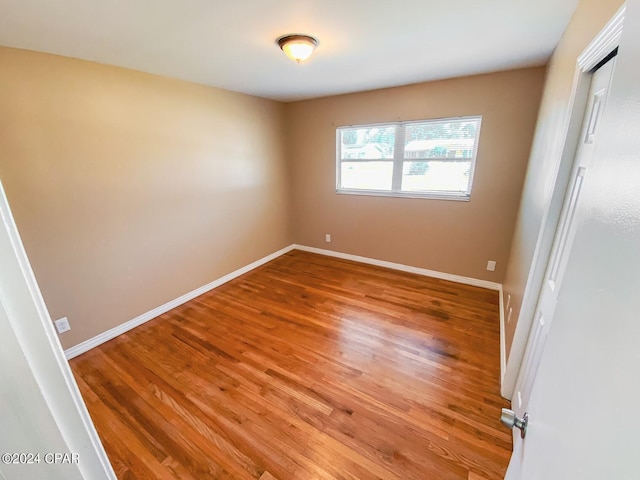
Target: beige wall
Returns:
[[588, 20], [130, 189], [447, 236]]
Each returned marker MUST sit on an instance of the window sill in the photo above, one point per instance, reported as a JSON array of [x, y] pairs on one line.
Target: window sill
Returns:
[[465, 197]]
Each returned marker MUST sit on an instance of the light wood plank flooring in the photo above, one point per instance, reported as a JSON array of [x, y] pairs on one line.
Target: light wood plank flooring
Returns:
[[308, 367]]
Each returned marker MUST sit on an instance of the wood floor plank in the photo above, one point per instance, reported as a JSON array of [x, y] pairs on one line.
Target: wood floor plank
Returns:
[[308, 367]]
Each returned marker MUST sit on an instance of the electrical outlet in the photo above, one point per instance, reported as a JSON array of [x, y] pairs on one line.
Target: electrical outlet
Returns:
[[327, 238], [491, 266], [62, 325]]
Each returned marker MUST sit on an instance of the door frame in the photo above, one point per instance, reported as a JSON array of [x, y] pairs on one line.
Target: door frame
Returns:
[[607, 40], [30, 322]]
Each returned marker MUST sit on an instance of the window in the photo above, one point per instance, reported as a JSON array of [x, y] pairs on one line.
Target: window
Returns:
[[427, 158]]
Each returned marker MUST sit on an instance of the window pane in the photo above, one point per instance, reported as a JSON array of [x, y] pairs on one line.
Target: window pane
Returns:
[[436, 176], [416, 158], [366, 175], [367, 143], [446, 139]]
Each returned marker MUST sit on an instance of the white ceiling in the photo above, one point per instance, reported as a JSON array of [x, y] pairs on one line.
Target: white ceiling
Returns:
[[364, 44]]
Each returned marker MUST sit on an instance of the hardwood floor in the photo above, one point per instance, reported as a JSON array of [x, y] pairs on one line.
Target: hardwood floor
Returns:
[[308, 367]]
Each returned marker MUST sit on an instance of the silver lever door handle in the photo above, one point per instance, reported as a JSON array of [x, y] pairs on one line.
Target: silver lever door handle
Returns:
[[509, 419]]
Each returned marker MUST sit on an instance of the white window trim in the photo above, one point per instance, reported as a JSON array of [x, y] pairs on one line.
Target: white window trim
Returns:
[[399, 159]]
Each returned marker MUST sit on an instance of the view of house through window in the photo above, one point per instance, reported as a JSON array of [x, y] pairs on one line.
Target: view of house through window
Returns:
[[427, 158]]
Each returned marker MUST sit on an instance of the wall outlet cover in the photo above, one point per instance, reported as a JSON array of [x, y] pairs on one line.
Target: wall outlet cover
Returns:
[[491, 266], [62, 325]]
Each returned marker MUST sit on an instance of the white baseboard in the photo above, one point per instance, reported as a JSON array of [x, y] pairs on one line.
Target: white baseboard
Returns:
[[151, 314], [503, 342], [405, 268]]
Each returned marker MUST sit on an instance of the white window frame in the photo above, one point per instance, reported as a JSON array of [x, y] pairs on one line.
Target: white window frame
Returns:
[[398, 162]]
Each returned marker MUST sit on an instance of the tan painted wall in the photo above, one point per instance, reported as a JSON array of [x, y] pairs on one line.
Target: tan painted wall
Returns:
[[447, 236], [588, 20], [130, 189]]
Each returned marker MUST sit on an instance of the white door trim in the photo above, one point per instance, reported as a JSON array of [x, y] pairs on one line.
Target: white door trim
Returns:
[[30, 321], [603, 43]]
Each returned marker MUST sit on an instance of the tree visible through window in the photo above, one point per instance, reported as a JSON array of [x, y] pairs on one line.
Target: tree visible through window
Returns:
[[428, 158]]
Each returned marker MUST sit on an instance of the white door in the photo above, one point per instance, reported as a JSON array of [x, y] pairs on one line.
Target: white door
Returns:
[[45, 429], [582, 405], [601, 79]]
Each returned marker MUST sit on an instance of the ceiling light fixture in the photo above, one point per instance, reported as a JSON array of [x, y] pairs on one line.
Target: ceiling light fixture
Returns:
[[297, 47]]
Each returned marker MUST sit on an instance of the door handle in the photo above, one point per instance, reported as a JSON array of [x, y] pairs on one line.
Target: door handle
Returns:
[[510, 420]]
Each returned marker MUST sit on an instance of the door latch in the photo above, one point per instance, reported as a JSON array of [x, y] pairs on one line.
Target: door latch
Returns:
[[510, 420]]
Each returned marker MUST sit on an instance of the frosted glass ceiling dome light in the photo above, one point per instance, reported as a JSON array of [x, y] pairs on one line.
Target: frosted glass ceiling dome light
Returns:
[[297, 47]]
